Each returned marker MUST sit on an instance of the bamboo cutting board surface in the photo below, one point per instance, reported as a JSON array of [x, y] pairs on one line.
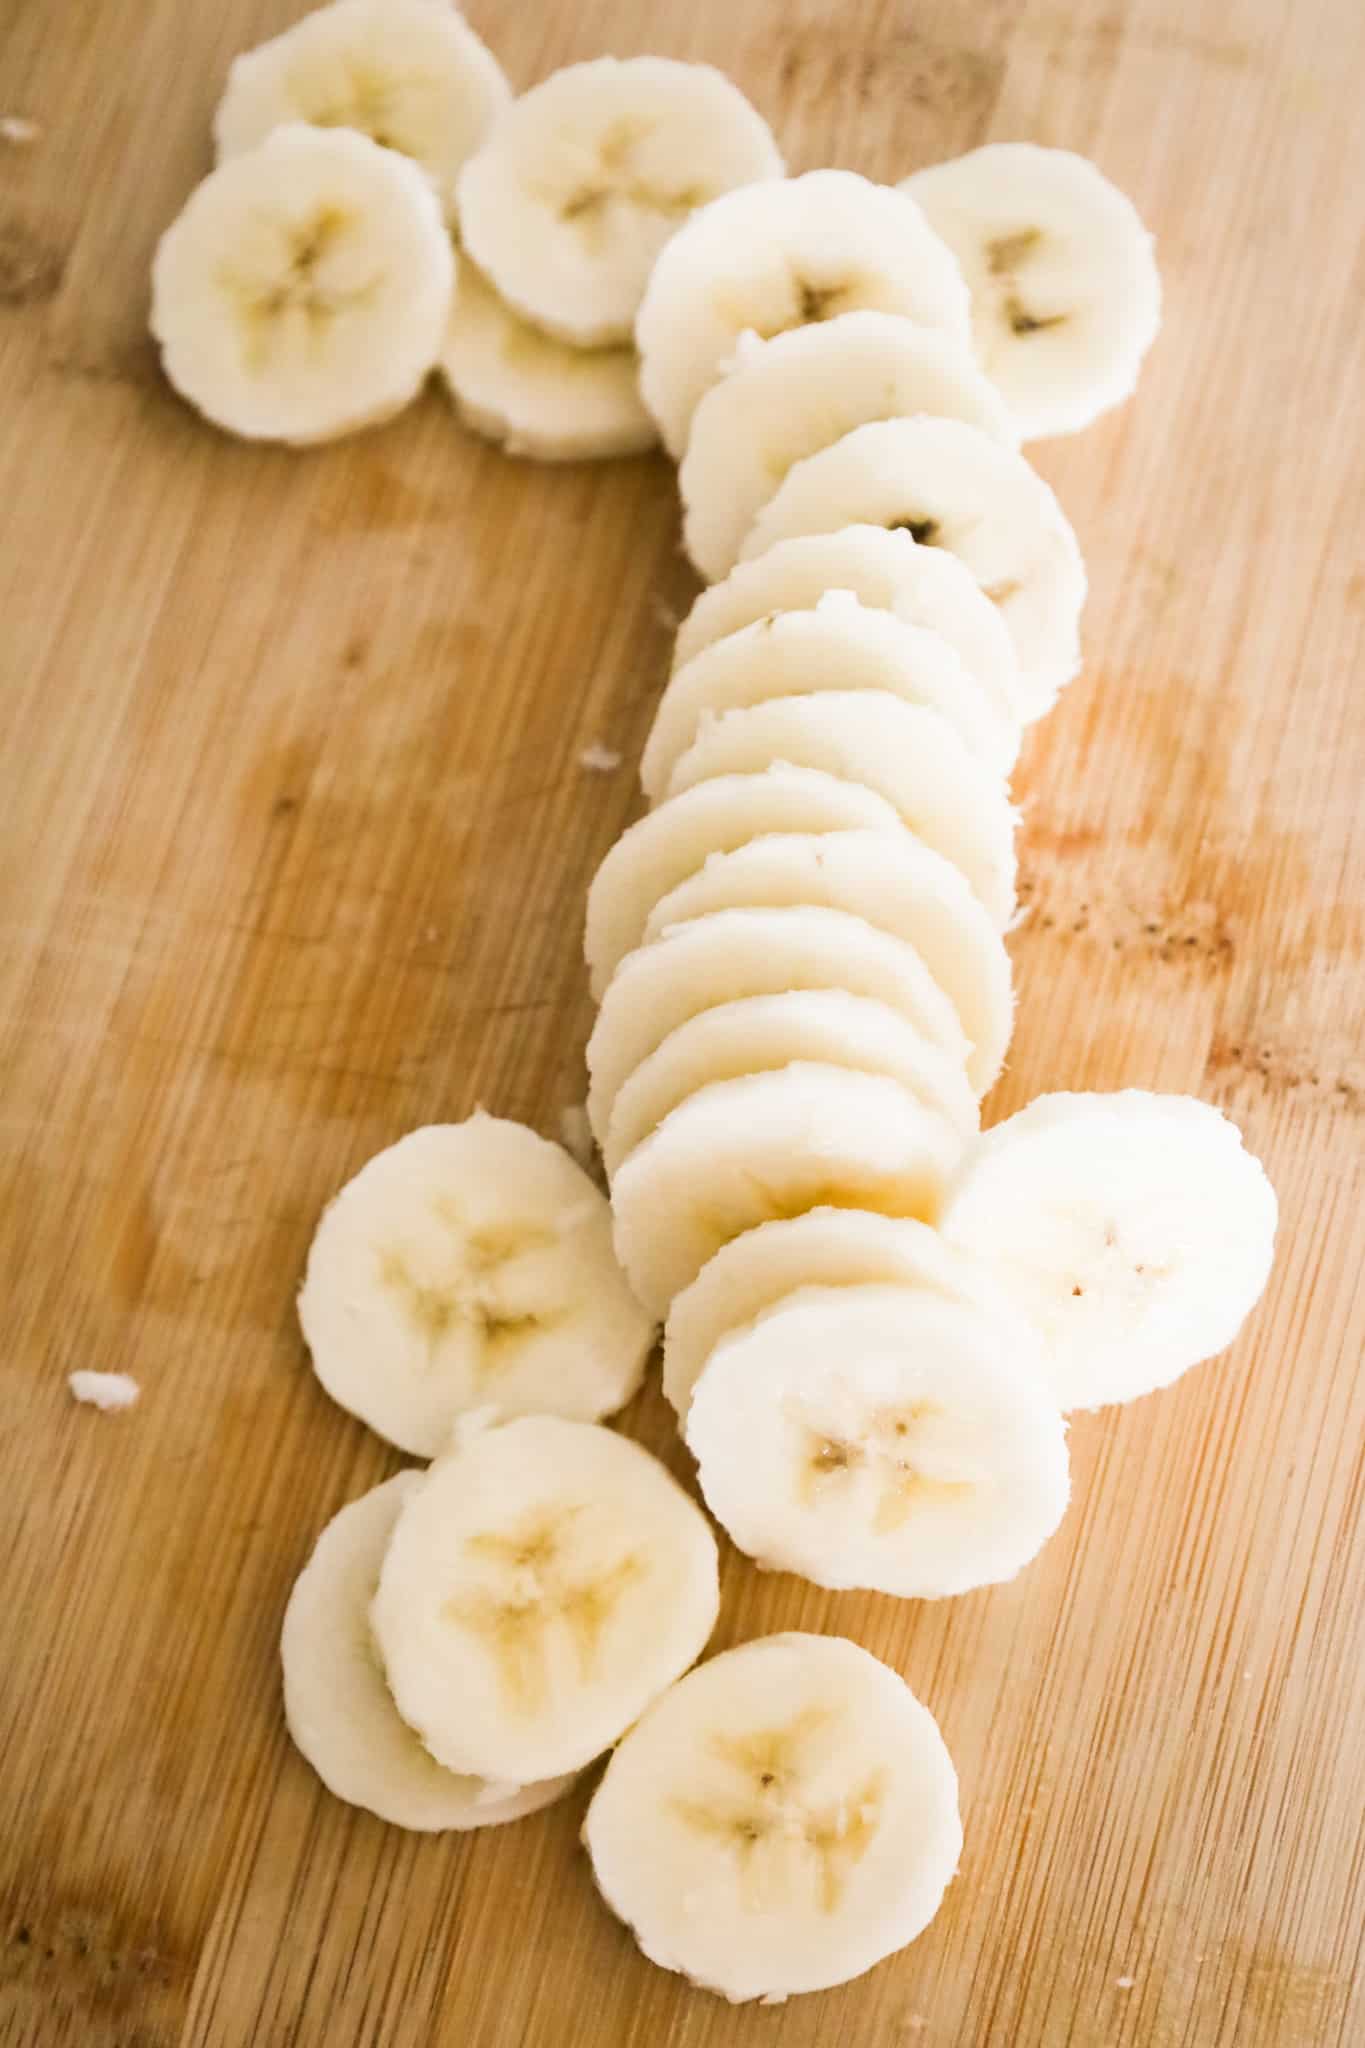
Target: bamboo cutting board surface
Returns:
[[295, 849]]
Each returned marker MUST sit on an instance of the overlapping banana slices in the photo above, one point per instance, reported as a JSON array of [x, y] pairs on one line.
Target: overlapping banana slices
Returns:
[[875, 1316], [309, 290]]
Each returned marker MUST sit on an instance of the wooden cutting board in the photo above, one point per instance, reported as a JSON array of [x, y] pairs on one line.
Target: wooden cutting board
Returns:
[[295, 847]]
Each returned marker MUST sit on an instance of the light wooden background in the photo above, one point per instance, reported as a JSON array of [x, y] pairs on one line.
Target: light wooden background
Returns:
[[295, 847]]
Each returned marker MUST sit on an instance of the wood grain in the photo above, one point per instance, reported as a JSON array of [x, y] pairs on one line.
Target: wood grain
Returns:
[[294, 851]]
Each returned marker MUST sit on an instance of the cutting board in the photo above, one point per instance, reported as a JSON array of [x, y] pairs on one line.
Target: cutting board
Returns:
[[295, 844]]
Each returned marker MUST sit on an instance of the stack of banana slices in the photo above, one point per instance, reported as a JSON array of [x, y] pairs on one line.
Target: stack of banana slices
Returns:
[[464, 1640], [383, 208], [875, 1317]]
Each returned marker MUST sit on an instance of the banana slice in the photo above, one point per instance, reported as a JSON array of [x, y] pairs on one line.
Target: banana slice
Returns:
[[542, 1585], [534, 395], [669, 845], [740, 1153], [956, 489], [738, 953], [337, 1704], [410, 74], [778, 1822], [780, 255], [893, 881], [1066, 297], [839, 645], [823, 1248], [304, 289], [470, 1266], [882, 1437], [904, 752], [1133, 1230], [785, 399], [758, 1034], [883, 568], [583, 180]]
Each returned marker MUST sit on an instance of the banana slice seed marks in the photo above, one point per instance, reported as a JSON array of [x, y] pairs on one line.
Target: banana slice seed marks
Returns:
[[367, 101], [264, 301], [1004, 258], [471, 1291], [772, 1815], [542, 1592], [617, 181], [887, 1448]]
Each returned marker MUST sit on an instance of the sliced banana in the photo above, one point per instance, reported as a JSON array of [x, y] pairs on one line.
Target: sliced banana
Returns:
[[736, 953], [1066, 297], [779, 1821], [883, 568], [304, 289], [823, 1248], [839, 645], [534, 395], [740, 1153], [785, 399], [760, 1033], [543, 1584], [338, 1706], [779, 255], [669, 845], [957, 489], [410, 74], [470, 1266], [883, 1437], [895, 882], [583, 180], [904, 752], [1132, 1230]]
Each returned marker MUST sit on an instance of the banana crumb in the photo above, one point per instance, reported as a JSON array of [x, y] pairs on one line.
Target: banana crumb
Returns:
[[599, 760], [575, 1133], [107, 1390], [18, 129]]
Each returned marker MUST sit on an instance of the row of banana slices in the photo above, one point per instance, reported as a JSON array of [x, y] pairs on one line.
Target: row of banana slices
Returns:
[[585, 263], [875, 1317]]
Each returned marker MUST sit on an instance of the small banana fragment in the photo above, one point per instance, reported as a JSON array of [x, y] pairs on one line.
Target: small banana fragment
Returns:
[[881, 1436], [784, 400], [953, 488], [731, 954], [304, 289], [470, 1266], [740, 1153], [895, 882], [1133, 1231], [838, 645], [410, 74], [758, 1034], [779, 1821], [823, 1248], [585, 177], [1066, 297], [903, 752], [544, 1582], [783, 254], [663, 849], [338, 1705], [536, 396], [883, 567]]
